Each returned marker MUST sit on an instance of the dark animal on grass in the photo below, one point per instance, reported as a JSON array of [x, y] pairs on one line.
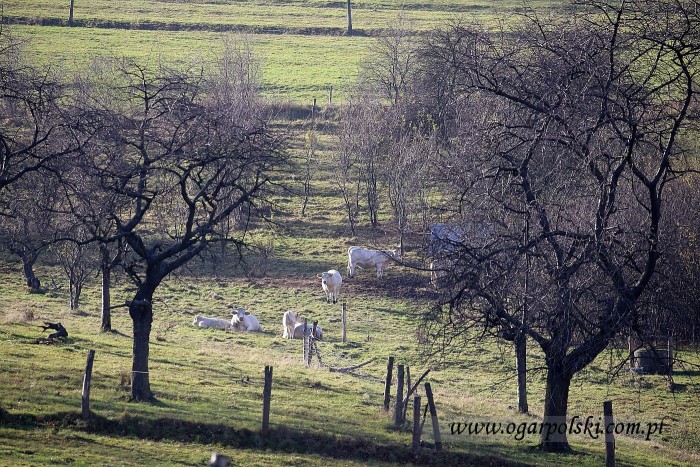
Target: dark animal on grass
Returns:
[[58, 327]]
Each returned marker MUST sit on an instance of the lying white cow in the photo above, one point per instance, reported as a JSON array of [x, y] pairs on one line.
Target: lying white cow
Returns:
[[365, 259], [331, 282], [242, 320], [299, 331], [289, 320], [204, 322]]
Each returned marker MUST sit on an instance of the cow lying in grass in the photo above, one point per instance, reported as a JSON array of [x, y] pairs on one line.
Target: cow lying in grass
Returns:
[[242, 320], [217, 323], [299, 331]]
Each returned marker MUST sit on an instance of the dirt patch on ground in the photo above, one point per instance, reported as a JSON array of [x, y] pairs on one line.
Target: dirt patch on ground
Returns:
[[404, 286]]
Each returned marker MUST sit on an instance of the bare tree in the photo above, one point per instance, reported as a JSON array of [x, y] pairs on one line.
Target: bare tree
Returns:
[[29, 224], [79, 262], [363, 145], [406, 173], [578, 125], [392, 61], [181, 161], [35, 132]]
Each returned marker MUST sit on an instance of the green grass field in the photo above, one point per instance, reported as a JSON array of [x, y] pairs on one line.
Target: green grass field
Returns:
[[302, 45], [208, 383]]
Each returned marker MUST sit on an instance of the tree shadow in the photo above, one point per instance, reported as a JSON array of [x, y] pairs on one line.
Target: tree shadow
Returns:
[[280, 439]]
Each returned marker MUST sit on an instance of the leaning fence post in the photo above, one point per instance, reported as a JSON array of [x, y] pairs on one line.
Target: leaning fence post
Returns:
[[433, 417], [399, 395], [609, 434], [343, 320], [416, 425], [267, 393], [86, 385], [387, 382]]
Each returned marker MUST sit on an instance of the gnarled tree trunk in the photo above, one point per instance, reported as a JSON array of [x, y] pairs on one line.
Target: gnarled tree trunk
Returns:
[[556, 400], [521, 368], [28, 260], [141, 312], [106, 297]]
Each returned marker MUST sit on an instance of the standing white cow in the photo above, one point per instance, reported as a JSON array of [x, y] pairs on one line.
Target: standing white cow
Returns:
[[242, 320], [364, 259], [331, 282], [289, 320]]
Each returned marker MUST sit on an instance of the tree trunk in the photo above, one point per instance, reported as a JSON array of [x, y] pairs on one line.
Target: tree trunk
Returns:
[[349, 19], [106, 299], [141, 312], [553, 437], [28, 261], [521, 367]]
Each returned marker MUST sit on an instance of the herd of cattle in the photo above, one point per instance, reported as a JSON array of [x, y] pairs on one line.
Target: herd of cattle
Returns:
[[292, 323]]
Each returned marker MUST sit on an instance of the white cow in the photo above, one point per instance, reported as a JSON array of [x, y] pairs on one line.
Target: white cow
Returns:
[[299, 331], [204, 322], [242, 320], [364, 259], [289, 320], [331, 282]]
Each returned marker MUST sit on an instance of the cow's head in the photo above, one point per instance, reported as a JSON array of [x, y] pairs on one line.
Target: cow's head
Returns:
[[395, 254], [324, 277], [239, 312]]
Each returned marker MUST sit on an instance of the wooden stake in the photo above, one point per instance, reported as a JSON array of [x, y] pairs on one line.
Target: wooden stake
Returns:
[[416, 425], [398, 418], [404, 403], [413, 388], [387, 382], [306, 342], [344, 330], [267, 393], [609, 434], [86, 385], [433, 417]]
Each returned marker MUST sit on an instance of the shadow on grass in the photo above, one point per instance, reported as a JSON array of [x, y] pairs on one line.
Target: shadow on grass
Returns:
[[280, 439]]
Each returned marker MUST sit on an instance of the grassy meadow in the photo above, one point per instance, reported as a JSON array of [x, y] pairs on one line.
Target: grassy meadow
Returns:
[[208, 383], [302, 44]]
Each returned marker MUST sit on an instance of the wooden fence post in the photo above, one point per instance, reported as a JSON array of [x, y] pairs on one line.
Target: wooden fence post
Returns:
[[411, 389], [609, 434], [86, 385], [416, 425], [629, 347], [305, 340], [398, 418], [433, 417], [404, 402], [387, 382], [343, 317], [670, 355], [267, 393]]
